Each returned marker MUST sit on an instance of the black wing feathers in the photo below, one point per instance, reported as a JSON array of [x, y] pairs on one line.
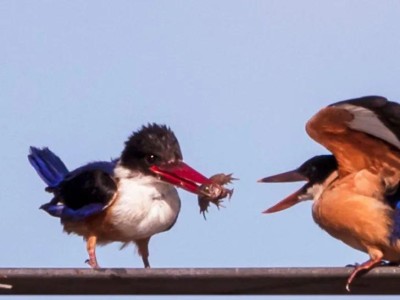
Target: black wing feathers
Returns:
[[92, 186]]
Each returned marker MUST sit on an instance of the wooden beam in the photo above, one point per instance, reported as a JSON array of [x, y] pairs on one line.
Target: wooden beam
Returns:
[[218, 281]]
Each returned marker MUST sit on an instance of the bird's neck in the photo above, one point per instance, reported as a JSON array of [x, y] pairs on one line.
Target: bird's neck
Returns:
[[320, 188]]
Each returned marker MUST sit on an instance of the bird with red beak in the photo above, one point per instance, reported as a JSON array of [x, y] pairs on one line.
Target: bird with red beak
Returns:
[[356, 189], [126, 200]]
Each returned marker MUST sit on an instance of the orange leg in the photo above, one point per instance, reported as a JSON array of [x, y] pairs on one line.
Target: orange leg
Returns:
[[91, 249], [143, 248], [364, 267]]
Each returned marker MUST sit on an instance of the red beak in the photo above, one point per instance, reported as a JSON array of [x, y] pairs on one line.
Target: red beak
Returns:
[[292, 199], [289, 201], [182, 175]]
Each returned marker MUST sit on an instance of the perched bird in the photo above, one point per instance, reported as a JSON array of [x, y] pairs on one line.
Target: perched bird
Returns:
[[355, 191], [126, 200]]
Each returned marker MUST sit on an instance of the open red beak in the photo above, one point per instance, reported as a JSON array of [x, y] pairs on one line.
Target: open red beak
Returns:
[[182, 175], [292, 199], [289, 201]]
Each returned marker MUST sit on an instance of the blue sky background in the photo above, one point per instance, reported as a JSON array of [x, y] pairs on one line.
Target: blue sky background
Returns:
[[235, 80]]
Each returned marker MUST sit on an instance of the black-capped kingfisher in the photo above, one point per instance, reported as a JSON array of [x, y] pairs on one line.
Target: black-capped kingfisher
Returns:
[[355, 190], [128, 199]]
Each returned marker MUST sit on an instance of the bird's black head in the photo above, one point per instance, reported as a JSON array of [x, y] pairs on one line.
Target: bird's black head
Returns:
[[151, 145], [315, 171], [154, 150], [318, 168]]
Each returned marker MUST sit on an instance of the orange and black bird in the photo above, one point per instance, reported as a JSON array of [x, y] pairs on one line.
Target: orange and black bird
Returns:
[[356, 190], [128, 199]]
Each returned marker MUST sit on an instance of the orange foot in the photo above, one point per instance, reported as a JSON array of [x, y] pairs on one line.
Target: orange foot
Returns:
[[364, 267], [91, 249]]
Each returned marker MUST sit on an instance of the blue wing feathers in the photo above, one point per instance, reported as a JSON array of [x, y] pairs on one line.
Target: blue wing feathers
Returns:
[[67, 214], [48, 165], [79, 194], [395, 235], [394, 201]]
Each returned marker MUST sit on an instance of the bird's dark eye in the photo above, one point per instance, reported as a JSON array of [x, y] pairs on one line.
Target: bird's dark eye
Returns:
[[151, 158], [313, 171]]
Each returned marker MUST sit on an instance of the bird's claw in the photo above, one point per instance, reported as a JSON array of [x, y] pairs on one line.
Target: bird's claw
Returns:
[[92, 263], [388, 264], [348, 287], [355, 265]]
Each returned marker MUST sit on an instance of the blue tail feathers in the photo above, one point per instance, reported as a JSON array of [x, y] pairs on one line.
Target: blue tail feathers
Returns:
[[48, 165]]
